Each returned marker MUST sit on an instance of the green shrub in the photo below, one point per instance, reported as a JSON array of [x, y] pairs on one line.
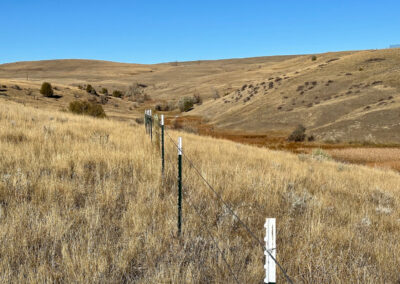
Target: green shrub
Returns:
[[91, 90], [185, 104], [298, 135], [320, 154], [87, 108], [104, 91], [117, 94], [46, 89], [313, 58]]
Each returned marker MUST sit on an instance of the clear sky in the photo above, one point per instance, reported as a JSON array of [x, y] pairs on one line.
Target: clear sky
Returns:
[[171, 30]]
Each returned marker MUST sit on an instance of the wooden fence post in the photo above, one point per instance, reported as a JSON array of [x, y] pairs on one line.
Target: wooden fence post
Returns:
[[270, 240]]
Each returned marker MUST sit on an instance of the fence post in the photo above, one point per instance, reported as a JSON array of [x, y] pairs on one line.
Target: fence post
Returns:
[[145, 120], [156, 120], [179, 185], [151, 126], [162, 145], [270, 240]]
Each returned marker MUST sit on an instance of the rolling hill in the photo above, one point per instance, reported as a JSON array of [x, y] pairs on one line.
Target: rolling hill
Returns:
[[339, 96]]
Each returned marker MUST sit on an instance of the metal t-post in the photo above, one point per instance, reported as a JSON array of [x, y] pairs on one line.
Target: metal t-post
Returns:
[[179, 185]]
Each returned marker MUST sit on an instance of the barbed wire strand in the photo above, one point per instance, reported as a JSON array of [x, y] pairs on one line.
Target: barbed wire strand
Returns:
[[250, 232], [213, 239], [209, 233]]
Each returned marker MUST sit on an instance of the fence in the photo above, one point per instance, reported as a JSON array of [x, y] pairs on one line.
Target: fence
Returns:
[[270, 224]]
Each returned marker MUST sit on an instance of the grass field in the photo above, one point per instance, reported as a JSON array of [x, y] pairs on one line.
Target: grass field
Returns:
[[386, 158], [82, 200]]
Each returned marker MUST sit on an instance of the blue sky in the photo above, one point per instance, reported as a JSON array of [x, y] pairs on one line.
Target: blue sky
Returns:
[[163, 31]]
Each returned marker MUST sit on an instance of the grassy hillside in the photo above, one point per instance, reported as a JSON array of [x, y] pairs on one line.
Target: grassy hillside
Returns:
[[82, 200], [340, 96]]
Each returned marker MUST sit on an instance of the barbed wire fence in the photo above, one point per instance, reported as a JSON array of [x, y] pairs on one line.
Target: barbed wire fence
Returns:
[[269, 250]]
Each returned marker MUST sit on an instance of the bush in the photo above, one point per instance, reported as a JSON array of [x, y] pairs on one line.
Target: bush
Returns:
[[117, 94], [161, 107], [298, 135], [185, 104], [104, 91], [139, 120], [136, 93], [313, 58], [134, 90], [171, 105], [91, 90], [197, 99], [87, 108], [46, 89]]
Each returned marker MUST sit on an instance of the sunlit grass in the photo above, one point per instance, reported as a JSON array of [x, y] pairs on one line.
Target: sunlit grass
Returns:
[[82, 200]]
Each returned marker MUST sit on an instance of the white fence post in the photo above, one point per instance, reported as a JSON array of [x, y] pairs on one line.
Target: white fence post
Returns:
[[270, 240]]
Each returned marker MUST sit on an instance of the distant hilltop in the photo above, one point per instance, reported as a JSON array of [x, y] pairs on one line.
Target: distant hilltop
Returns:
[[395, 46]]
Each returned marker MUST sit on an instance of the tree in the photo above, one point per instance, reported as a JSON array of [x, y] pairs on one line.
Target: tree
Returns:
[[298, 135], [46, 89]]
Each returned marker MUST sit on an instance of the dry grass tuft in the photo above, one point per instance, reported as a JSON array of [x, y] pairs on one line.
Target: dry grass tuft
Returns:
[[82, 200]]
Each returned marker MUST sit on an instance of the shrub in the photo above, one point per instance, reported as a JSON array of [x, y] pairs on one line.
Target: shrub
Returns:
[[185, 104], [139, 120], [104, 91], [46, 89], [313, 58], [298, 135], [87, 108], [171, 105], [117, 94], [197, 99], [319, 154], [134, 90], [91, 90], [161, 107], [136, 93]]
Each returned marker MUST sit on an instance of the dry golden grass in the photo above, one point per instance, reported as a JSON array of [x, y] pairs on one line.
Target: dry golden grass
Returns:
[[378, 157], [82, 200]]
